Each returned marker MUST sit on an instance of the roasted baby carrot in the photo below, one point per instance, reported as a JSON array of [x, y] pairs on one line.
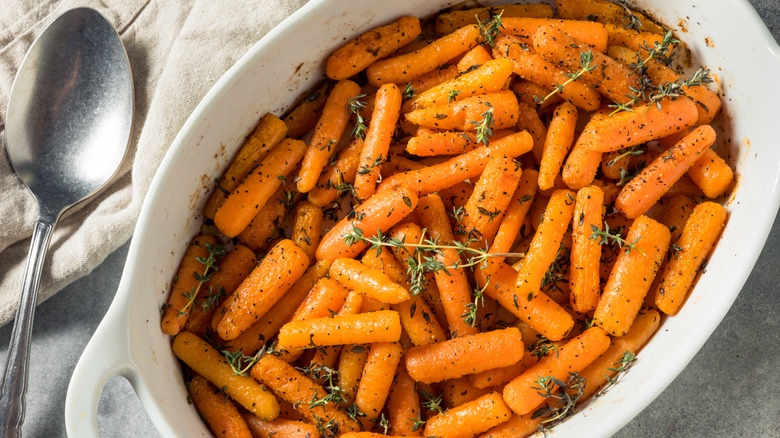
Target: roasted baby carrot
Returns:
[[675, 214], [401, 69], [381, 326], [498, 110], [591, 33], [501, 376], [307, 227], [518, 425], [403, 405], [456, 392], [219, 412], [368, 281], [303, 117], [280, 427], [526, 392], [583, 162], [371, 46], [430, 143], [378, 213], [487, 78], [473, 58], [450, 21], [377, 142], [266, 224], [327, 133], [377, 377], [560, 136], [351, 362], [699, 235], [712, 174], [632, 275], [282, 266], [465, 355], [187, 286], [604, 12], [653, 181], [586, 252], [212, 365], [471, 418], [329, 356], [336, 178], [529, 120], [269, 132], [516, 212], [250, 196]]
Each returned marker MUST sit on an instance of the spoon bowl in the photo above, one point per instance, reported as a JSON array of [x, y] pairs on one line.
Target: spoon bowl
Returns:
[[67, 128]]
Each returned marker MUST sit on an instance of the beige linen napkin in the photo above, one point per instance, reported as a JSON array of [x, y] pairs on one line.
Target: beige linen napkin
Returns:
[[177, 50]]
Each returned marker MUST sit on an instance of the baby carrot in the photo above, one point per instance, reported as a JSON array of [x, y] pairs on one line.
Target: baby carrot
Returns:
[[560, 135], [280, 427], [585, 252], [368, 281], [471, 418], [450, 21], [712, 174], [371, 46], [269, 132], [632, 39], [250, 196], [377, 142], [219, 412], [632, 276], [518, 425], [501, 376], [329, 356], [653, 181], [465, 355], [212, 365], [430, 143], [699, 235], [401, 69], [377, 377], [499, 107], [379, 213], [455, 392], [265, 226], [604, 12], [403, 405], [487, 78], [187, 285], [529, 120], [380, 326], [474, 58], [675, 214], [333, 181], [294, 387], [351, 362], [327, 133], [583, 162], [307, 227], [303, 117], [516, 212], [525, 393], [591, 33], [282, 266]]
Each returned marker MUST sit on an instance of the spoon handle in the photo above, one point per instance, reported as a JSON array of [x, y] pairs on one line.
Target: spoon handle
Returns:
[[12, 398]]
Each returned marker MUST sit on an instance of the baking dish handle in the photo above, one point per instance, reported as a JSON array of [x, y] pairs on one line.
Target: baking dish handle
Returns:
[[107, 355]]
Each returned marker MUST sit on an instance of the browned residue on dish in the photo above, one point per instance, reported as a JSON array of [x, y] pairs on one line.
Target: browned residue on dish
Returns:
[[708, 41], [683, 25]]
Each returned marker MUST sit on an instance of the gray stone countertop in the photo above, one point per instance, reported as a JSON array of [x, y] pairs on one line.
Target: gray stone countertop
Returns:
[[730, 389]]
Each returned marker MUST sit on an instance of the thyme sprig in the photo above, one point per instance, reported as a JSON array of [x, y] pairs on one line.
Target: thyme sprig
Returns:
[[355, 105], [606, 237], [586, 58], [485, 126], [409, 92], [625, 363], [542, 347], [567, 394], [470, 317], [631, 21], [632, 151], [430, 401], [490, 29], [208, 270], [241, 363]]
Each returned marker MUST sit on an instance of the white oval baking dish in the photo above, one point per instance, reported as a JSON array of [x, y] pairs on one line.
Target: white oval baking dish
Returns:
[[725, 35]]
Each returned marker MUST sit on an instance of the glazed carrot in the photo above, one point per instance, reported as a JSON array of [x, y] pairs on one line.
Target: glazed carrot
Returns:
[[587, 32], [307, 227], [269, 132], [377, 377], [327, 133], [489, 77], [351, 362], [632, 39], [523, 394], [516, 212], [303, 117], [676, 211], [467, 114], [585, 252], [401, 69], [280, 427], [542, 253], [371, 46], [486, 206], [233, 269], [431, 143], [332, 182], [533, 95], [653, 181], [325, 298], [698, 237], [366, 435], [429, 80], [368, 281], [529, 120], [377, 142], [380, 212], [456, 392], [500, 376], [451, 21], [282, 266], [464, 355], [645, 123], [381, 326], [462, 167], [712, 174], [604, 12], [329, 356], [518, 425], [560, 135], [471, 418], [599, 371], [219, 412], [250, 196], [403, 405], [264, 227], [179, 305], [269, 324], [583, 162], [564, 51], [474, 57], [294, 387], [632, 276], [532, 67], [212, 365], [453, 285]]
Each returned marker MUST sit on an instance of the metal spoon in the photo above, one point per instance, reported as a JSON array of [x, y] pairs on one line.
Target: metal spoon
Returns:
[[67, 128]]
